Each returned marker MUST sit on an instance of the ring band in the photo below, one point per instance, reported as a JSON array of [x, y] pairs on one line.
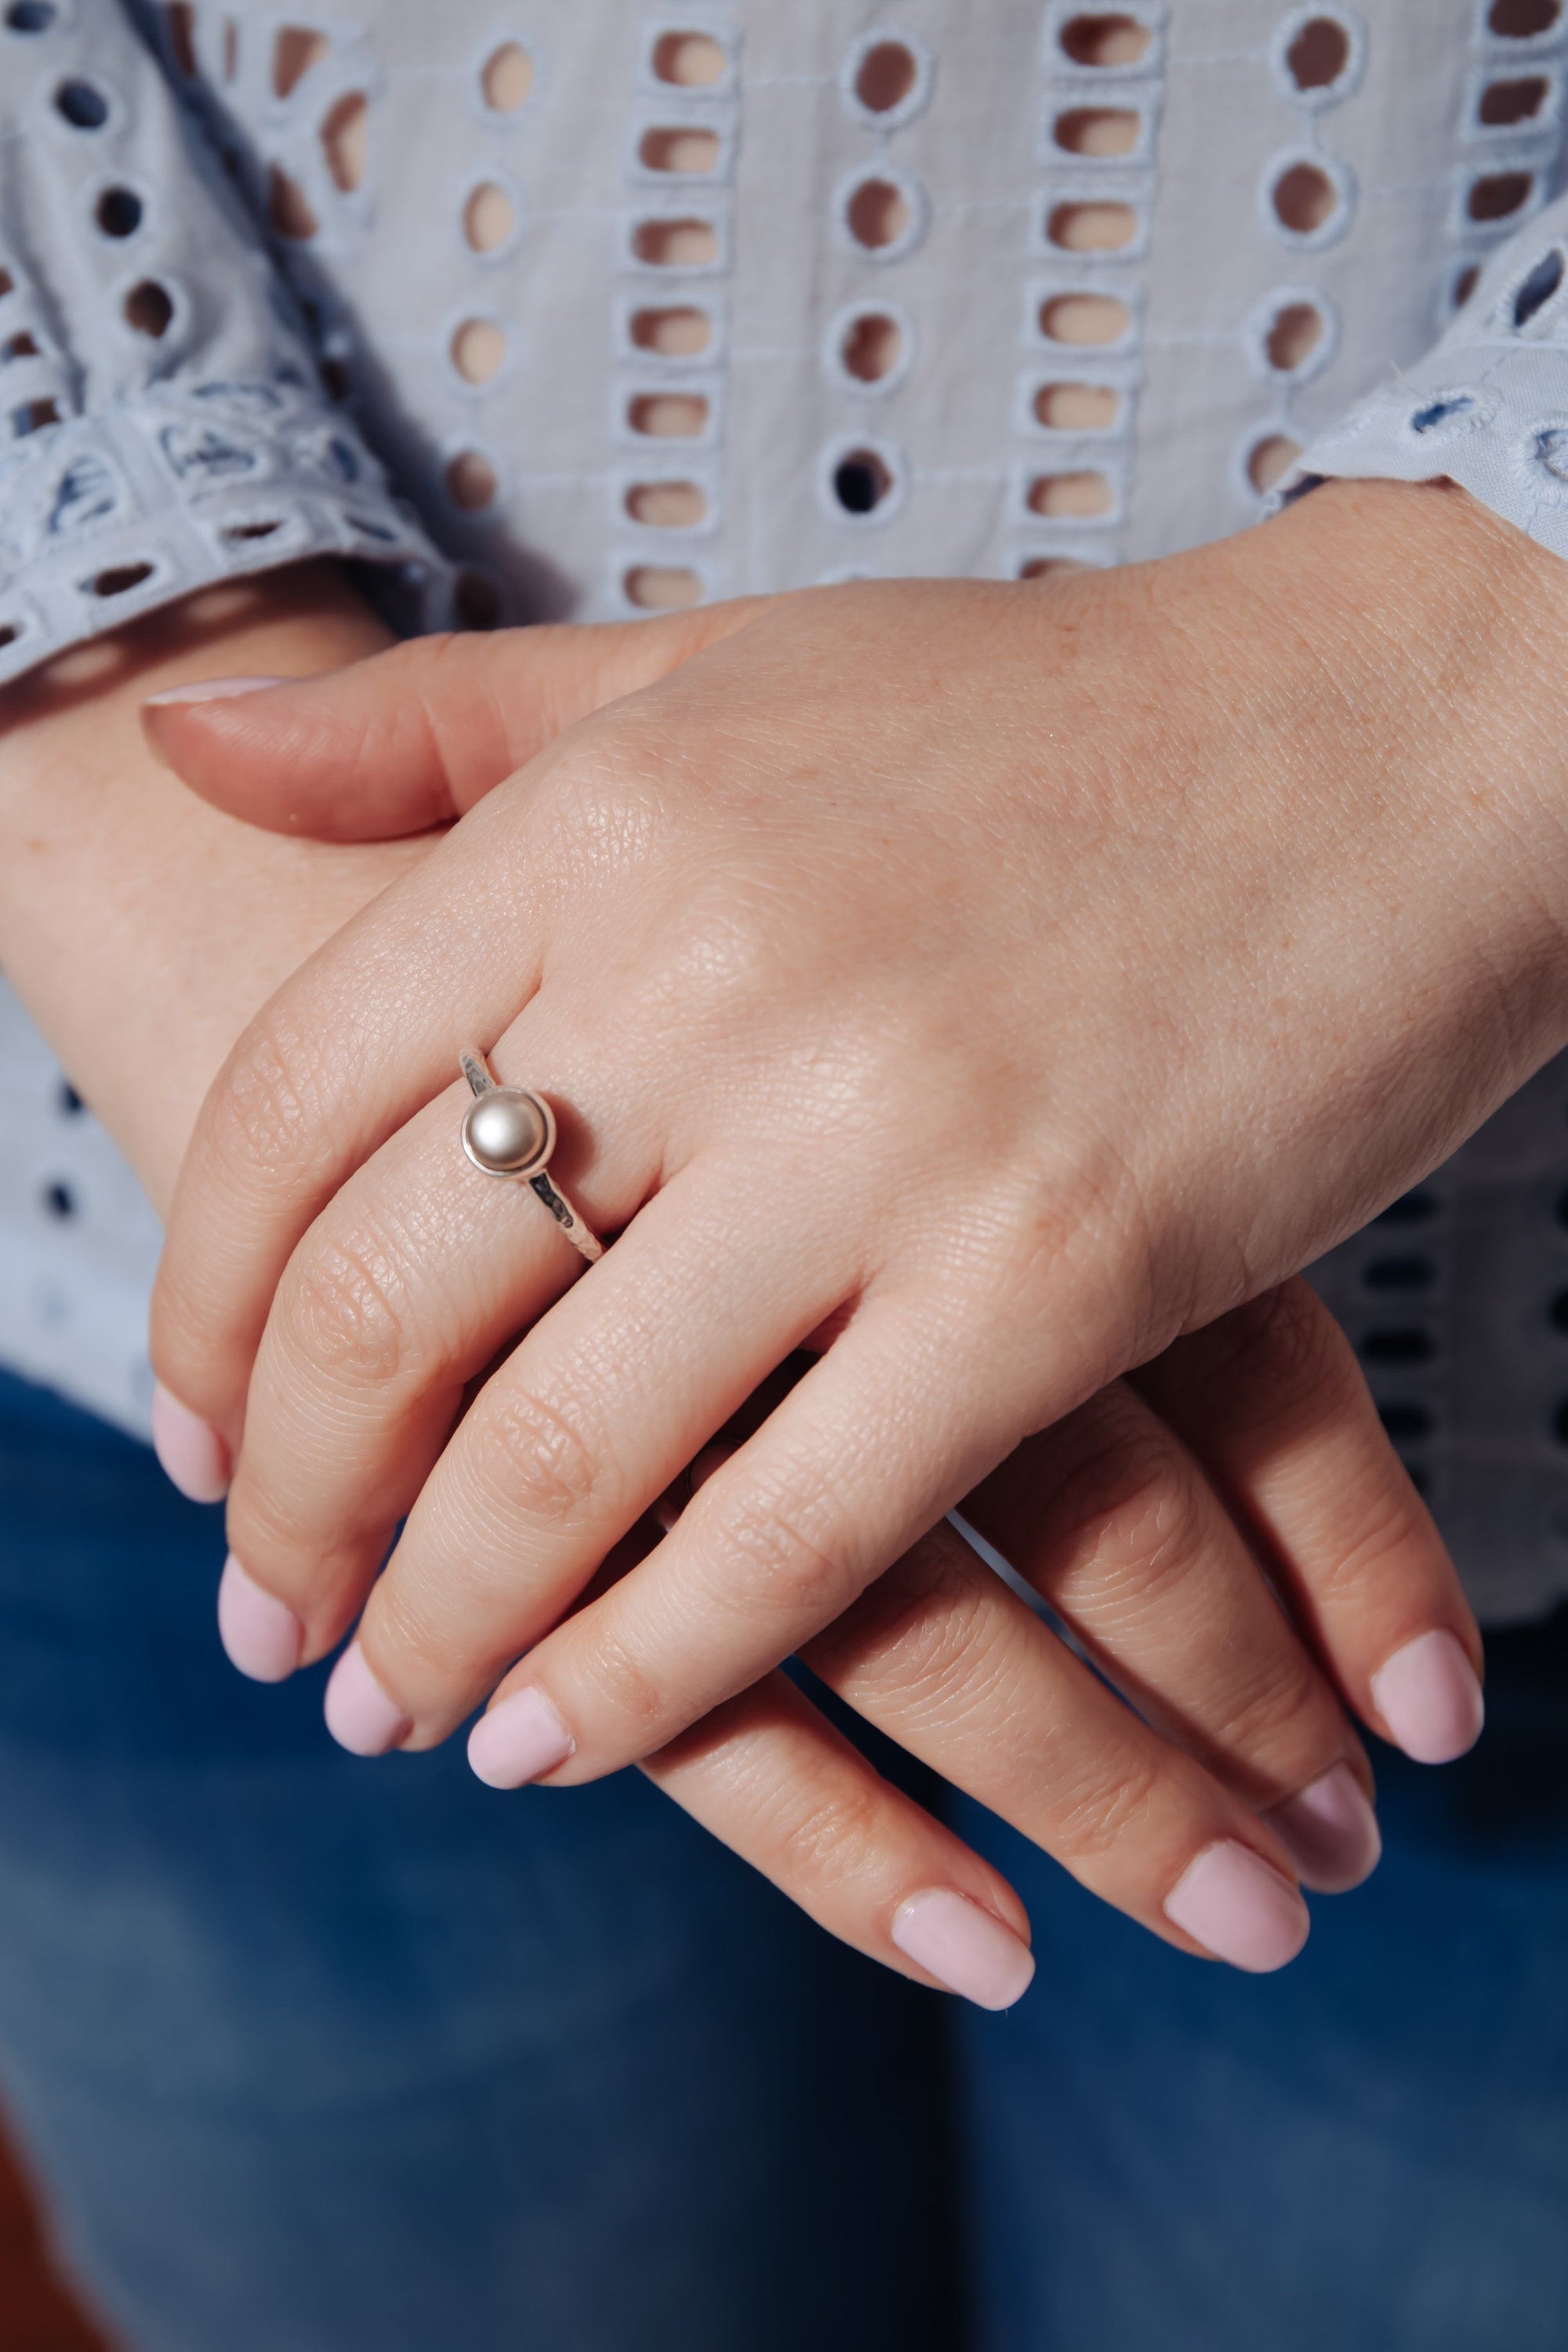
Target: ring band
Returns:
[[508, 1132]]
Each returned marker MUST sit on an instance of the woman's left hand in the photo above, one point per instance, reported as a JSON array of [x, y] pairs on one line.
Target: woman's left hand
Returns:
[[986, 984]]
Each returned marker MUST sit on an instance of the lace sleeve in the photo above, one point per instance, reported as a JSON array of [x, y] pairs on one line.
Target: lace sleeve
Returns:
[[163, 424], [1488, 405]]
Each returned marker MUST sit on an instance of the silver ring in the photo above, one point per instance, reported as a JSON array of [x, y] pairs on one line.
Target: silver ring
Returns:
[[508, 1132]]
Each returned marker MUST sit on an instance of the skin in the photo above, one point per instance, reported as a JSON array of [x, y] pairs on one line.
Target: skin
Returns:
[[1136, 1529], [109, 868], [108, 865], [1101, 952]]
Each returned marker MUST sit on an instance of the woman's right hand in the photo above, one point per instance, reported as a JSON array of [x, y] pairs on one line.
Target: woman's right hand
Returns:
[[1140, 1521]]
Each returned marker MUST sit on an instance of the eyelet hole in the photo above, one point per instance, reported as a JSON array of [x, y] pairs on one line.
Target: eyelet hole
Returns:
[[1270, 459], [663, 587], [677, 332], [871, 347], [1098, 130], [690, 61], [1112, 40], [471, 480], [888, 74], [1084, 319], [861, 482], [1319, 54], [1083, 495], [478, 348], [506, 81], [490, 217], [667, 506], [878, 214], [1304, 198], [1077, 407]]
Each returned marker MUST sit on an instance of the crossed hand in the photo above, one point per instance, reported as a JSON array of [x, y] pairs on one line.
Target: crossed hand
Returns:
[[963, 1008]]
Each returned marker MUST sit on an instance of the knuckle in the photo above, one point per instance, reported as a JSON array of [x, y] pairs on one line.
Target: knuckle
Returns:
[[623, 1684], [546, 1460], [1283, 1356], [435, 1637], [600, 812], [825, 1841], [1076, 1214], [265, 1118], [345, 1310], [917, 1630], [1393, 1540], [1283, 1708], [723, 961], [765, 1550], [1128, 1509], [1100, 1811]]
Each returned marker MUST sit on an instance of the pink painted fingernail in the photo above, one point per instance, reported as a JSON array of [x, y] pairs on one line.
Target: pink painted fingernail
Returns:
[[965, 1947], [1230, 1901], [1430, 1698], [213, 690], [520, 1739], [1330, 1832], [360, 1715], [261, 1633], [194, 1456]]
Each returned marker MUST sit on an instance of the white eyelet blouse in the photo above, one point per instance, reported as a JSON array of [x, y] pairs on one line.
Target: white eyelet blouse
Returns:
[[543, 308]]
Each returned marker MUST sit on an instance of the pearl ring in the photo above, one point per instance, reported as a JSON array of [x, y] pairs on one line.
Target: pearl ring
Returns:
[[507, 1132]]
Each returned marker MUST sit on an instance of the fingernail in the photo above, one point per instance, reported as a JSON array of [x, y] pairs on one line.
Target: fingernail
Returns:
[[194, 1456], [1330, 1832], [261, 1633], [521, 1738], [965, 1947], [360, 1715], [1236, 1907], [1428, 1695], [213, 690]]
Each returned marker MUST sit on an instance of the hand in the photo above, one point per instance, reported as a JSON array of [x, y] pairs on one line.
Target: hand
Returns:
[[1085, 1001], [144, 931], [1146, 1549], [117, 873]]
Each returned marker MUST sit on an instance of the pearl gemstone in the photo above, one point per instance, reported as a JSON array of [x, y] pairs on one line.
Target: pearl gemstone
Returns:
[[507, 1132]]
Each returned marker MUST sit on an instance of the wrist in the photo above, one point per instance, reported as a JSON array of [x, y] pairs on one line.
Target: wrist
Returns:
[[141, 928], [1437, 629]]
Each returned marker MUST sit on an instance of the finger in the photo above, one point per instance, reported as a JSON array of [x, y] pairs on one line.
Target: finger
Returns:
[[388, 1309], [412, 737], [948, 1662], [363, 1038], [412, 1279], [859, 1458], [775, 1783], [1273, 1404], [770, 1777], [1109, 1518]]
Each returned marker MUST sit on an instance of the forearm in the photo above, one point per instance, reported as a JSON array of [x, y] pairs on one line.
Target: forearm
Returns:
[[142, 927]]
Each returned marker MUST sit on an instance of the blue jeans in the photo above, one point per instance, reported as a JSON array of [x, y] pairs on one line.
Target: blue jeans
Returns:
[[322, 2056], [1368, 2151], [315, 2055]]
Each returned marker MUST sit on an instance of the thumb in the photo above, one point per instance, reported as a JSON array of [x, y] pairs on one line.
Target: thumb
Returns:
[[410, 738]]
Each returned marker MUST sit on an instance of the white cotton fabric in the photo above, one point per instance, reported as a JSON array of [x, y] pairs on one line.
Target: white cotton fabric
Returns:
[[547, 308]]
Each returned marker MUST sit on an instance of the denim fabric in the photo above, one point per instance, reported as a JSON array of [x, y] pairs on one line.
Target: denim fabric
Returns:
[[1368, 2152], [324, 2056], [317, 2055]]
